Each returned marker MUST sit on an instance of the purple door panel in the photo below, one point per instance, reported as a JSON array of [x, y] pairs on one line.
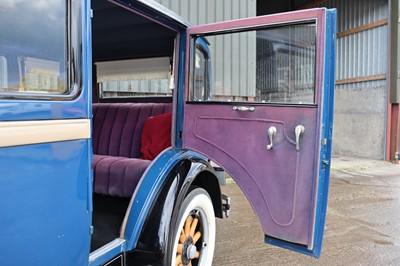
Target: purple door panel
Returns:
[[278, 181], [284, 54]]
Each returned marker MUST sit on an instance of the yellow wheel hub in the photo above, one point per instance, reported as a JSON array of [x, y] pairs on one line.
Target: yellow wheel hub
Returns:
[[187, 251]]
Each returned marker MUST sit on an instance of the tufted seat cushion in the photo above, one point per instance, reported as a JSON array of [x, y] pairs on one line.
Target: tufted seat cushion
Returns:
[[117, 176], [117, 132]]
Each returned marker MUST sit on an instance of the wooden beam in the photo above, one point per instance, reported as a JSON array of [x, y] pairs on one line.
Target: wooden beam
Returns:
[[342, 34], [394, 133], [310, 4], [361, 79], [393, 126], [365, 27]]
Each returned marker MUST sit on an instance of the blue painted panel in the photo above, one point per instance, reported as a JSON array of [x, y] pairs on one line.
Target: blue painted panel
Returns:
[[45, 216], [180, 97], [18, 110], [85, 100], [327, 130]]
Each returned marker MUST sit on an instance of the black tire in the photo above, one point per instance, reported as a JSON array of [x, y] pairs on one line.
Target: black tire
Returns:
[[194, 234]]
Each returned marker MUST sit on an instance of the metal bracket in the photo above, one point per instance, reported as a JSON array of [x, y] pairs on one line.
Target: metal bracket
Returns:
[[226, 204]]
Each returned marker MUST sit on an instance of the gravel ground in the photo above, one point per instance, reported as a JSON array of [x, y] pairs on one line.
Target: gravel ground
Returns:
[[362, 227]]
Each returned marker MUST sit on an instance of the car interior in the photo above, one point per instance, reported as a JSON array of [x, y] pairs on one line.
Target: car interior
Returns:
[[132, 104]]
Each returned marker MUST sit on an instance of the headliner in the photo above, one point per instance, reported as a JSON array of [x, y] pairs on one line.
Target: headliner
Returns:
[[119, 33]]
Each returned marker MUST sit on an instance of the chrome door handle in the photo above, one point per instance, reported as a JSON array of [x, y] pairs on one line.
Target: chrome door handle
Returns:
[[271, 135], [243, 108], [299, 130]]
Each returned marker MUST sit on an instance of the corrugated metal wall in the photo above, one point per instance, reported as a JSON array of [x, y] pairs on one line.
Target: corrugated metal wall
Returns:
[[362, 54], [234, 65], [361, 76], [209, 11]]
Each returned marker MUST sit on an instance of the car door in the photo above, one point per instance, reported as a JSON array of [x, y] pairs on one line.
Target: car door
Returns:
[[45, 145], [265, 116]]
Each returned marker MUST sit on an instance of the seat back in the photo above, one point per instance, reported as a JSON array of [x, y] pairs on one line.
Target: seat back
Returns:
[[117, 127]]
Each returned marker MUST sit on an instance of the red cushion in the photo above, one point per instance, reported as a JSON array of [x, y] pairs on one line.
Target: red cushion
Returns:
[[156, 135]]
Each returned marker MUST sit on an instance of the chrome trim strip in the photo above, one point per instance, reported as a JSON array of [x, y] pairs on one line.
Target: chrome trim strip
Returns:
[[107, 252]]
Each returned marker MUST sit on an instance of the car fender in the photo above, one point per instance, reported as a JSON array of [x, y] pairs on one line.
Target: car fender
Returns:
[[159, 195]]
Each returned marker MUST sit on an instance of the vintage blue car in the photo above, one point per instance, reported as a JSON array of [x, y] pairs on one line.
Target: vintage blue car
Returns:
[[114, 114]]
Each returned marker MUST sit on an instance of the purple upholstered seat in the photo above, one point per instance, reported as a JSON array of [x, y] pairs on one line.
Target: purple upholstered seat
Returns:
[[117, 176], [117, 130]]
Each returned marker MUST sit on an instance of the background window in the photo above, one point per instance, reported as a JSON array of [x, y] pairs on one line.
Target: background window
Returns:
[[135, 77]]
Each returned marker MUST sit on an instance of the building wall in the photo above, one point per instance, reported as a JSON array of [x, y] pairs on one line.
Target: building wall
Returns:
[[209, 11], [221, 49], [361, 71]]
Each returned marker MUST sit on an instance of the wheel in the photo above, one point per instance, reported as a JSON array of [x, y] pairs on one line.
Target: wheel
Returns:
[[194, 235]]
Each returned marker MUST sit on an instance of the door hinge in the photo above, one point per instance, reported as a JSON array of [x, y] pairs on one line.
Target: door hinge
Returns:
[[91, 230], [326, 162], [226, 205], [397, 155]]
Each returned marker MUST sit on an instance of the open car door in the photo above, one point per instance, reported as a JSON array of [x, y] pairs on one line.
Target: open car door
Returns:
[[264, 113]]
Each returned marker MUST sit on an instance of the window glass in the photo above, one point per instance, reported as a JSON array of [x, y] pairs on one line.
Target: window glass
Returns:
[[3, 73], [201, 82], [134, 77], [34, 51], [269, 65]]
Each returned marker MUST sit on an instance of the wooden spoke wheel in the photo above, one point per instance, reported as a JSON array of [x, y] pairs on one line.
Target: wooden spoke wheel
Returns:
[[194, 239]]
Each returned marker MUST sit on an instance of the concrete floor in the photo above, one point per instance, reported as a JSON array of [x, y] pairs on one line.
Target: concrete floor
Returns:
[[362, 227]]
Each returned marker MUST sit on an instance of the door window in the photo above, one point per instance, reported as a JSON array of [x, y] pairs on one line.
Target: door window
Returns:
[[33, 45], [269, 65]]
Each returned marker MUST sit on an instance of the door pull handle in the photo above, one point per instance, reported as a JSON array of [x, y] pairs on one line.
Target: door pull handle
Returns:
[[243, 108], [271, 135], [299, 130]]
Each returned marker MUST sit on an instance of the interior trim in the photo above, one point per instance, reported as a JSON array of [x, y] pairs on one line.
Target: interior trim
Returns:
[[43, 131]]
